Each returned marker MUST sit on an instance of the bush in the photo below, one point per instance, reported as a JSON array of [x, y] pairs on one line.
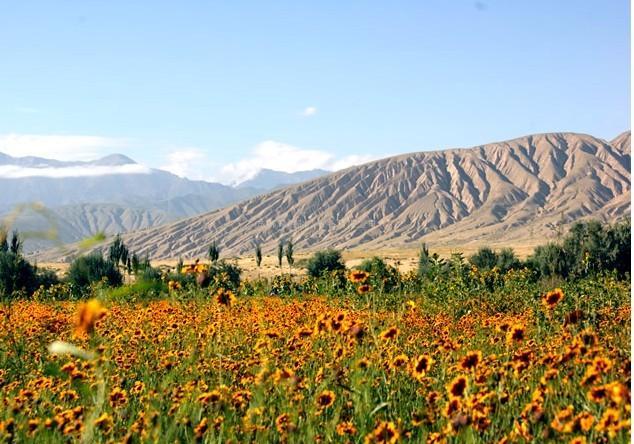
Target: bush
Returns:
[[16, 274], [86, 270], [430, 265], [223, 274], [590, 248], [487, 259], [382, 275], [324, 261]]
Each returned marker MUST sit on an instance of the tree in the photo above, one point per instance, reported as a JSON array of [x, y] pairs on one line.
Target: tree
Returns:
[[507, 260], [484, 259], [85, 270], [258, 255], [16, 243], [280, 253], [325, 261], [429, 265], [289, 255], [214, 252], [118, 252]]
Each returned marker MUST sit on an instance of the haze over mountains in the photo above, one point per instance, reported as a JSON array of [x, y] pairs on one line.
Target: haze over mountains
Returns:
[[113, 194], [518, 191]]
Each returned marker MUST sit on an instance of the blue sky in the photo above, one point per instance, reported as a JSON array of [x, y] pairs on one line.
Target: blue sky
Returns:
[[215, 90]]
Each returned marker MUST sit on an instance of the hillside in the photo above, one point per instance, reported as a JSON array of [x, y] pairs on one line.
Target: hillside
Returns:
[[113, 194], [522, 190]]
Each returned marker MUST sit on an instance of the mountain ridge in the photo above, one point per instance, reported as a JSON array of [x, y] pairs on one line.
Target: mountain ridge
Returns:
[[492, 192]]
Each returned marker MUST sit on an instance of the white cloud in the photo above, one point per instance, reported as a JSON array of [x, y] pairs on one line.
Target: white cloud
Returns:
[[280, 156], [192, 163], [18, 172], [309, 111], [60, 147]]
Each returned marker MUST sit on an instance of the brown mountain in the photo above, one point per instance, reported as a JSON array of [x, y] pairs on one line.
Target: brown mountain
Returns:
[[519, 191]]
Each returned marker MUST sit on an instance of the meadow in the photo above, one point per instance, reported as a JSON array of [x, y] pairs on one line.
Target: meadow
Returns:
[[451, 353]]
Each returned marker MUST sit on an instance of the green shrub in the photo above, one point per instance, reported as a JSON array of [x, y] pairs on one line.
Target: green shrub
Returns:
[[224, 274], [324, 261], [382, 276], [430, 265], [86, 270], [16, 274], [487, 259]]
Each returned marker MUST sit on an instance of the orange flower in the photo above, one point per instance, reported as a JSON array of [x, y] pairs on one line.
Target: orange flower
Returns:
[[358, 276], [225, 297], [89, 313], [389, 334], [421, 365], [516, 333], [457, 387], [552, 298], [384, 433], [363, 289], [325, 399], [471, 360]]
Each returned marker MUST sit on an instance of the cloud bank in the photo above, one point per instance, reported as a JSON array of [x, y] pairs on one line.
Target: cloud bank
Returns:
[[20, 172], [270, 154], [59, 147]]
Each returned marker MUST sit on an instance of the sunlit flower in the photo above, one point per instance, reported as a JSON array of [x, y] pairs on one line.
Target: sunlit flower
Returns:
[[389, 334], [357, 276], [89, 313], [384, 433], [552, 298], [325, 399]]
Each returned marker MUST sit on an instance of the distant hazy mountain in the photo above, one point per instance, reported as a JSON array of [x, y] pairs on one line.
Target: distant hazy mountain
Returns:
[[504, 193], [269, 179], [113, 194]]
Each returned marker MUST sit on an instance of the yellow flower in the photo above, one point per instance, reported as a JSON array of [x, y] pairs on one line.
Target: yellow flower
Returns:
[[552, 298], [89, 313], [384, 433], [389, 334], [457, 387], [471, 360], [420, 366], [225, 297], [325, 399], [358, 276]]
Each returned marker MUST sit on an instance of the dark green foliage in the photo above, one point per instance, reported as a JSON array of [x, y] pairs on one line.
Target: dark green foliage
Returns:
[[507, 260], [383, 277], [118, 252], [16, 274], [324, 261], [487, 259], [258, 255], [214, 252], [588, 249], [15, 246], [225, 274], [549, 260], [46, 277], [289, 253], [149, 274], [484, 259], [86, 270], [430, 265], [280, 253]]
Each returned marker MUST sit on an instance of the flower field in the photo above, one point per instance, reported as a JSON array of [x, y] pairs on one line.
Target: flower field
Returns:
[[317, 369]]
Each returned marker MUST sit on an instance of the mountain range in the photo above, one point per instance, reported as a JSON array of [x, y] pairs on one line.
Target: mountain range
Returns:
[[113, 194], [522, 190]]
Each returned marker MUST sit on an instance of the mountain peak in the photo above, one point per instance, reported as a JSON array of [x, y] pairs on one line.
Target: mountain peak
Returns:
[[114, 160]]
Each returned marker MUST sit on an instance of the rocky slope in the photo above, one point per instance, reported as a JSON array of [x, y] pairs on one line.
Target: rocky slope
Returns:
[[522, 190]]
